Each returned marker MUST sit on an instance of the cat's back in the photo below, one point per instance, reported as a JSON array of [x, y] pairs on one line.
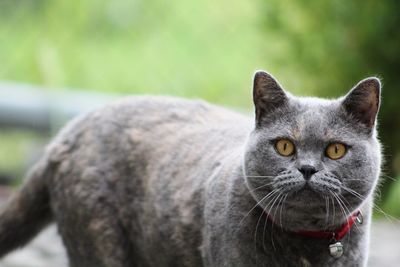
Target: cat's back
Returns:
[[152, 119], [145, 133], [156, 111], [142, 141]]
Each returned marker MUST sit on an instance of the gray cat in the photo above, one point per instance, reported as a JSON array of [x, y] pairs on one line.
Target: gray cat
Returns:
[[158, 181]]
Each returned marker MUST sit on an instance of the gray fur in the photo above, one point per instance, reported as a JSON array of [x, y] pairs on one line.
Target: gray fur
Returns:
[[158, 181]]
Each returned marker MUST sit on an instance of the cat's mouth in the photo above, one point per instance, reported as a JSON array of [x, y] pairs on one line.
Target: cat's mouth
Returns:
[[321, 184]]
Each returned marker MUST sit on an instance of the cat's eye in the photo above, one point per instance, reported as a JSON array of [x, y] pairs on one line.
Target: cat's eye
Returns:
[[284, 147], [335, 151]]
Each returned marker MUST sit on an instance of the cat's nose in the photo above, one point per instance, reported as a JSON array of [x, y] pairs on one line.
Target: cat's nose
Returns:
[[307, 171]]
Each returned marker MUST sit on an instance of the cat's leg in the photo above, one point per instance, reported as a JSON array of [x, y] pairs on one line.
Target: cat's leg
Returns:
[[87, 214], [100, 243]]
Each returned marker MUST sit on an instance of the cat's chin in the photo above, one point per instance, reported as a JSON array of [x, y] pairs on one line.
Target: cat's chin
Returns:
[[306, 199], [312, 191], [307, 209], [306, 194]]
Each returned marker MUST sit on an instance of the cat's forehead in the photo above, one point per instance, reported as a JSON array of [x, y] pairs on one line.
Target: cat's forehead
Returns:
[[315, 119], [314, 112]]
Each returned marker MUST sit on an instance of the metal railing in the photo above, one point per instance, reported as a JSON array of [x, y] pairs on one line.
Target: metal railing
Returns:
[[30, 107]]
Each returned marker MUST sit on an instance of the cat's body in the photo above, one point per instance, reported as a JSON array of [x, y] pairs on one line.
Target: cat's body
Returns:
[[162, 182]]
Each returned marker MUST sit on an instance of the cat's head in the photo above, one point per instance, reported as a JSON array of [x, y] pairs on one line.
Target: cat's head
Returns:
[[311, 162]]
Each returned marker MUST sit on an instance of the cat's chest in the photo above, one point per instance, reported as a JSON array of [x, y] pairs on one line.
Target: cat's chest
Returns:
[[260, 243]]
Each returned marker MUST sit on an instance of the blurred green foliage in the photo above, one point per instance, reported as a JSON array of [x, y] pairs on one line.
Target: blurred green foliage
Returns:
[[392, 201], [208, 49], [17, 151]]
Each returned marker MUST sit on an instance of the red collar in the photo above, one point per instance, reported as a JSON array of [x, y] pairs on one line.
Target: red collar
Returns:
[[335, 235]]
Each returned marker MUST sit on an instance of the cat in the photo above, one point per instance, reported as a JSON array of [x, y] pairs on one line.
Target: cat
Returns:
[[162, 181]]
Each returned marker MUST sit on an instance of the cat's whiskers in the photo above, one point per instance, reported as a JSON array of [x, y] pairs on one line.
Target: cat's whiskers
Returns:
[[273, 201], [280, 214], [333, 208], [261, 186], [270, 194], [389, 177], [334, 199], [273, 195], [340, 206], [258, 176], [272, 227], [356, 179], [346, 211], [377, 190], [327, 210], [375, 207], [343, 199]]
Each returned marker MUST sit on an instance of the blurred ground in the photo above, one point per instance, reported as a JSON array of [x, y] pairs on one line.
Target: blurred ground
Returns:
[[385, 240], [47, 251]]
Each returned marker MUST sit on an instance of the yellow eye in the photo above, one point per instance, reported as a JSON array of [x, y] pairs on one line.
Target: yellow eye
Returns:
[[336, 151], [284, 147]]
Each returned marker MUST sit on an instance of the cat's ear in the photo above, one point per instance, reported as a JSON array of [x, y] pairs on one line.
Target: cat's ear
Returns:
[[363, 101], [267, 95]]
